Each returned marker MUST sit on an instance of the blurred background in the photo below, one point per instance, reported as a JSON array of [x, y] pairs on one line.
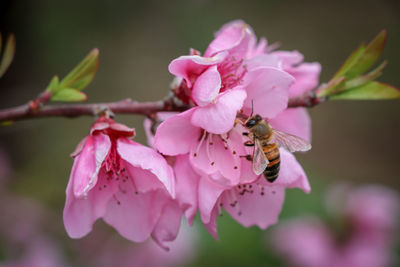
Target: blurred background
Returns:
[[354, 142]]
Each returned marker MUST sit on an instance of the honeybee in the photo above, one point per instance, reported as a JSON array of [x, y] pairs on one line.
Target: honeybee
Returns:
[[266, 142]]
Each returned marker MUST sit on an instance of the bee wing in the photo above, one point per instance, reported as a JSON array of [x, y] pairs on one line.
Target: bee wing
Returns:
[[260, 161], [290, 142]]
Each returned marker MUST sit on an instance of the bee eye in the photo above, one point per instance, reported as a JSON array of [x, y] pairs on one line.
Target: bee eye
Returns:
[[258, 118], [250, 123]]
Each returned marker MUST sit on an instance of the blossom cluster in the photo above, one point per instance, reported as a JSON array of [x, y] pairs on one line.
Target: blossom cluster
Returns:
[[198, 162]]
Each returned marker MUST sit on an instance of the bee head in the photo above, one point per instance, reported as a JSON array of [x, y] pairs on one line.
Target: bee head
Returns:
[[252, 121]]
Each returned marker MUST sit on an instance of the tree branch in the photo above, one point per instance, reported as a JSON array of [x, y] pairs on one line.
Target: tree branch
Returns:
[[32, 110], [127, 106]]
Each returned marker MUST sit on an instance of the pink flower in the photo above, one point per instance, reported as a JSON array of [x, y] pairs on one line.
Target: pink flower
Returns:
[[233, 73], [228, 78], [128, 185], [367, 216]]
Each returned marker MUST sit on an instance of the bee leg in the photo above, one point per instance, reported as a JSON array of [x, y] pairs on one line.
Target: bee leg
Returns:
[[245, 134], [248, 143], [248, 157]]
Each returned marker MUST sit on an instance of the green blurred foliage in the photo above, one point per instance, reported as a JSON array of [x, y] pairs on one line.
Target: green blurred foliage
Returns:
[[352, 141]]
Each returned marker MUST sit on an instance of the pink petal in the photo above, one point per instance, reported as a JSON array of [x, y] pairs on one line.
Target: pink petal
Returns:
[[306, 74], [133, 215], [226, 161], [234, 36], [192, 66], [177, 134], [206, 87], [268, 88], [167, 226], [147, 159], [211, 226], [263, 60], [291, 174], [209, 192], [288, 58], [257, 49], [307, 78], [294, 121], [219, 118], [254, 208], [79, 147], [214, 160], [147, 125], [186, 187], [88, 165], [80, 213]]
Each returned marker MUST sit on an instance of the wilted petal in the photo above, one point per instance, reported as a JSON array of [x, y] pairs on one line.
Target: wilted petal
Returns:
[[295, 121], [176, 135], [188, 66], [87, 166], [219, 118], [186, 186], [291, 174], [255, 208], [268, 88], [147, 159], [206, 87], [167, 226]]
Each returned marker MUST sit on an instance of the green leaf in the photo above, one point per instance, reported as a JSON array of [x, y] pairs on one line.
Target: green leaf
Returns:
[[350, 61], [370, 91], [84, 73], [69, 95], [53, 85], [363, 79], [363, 58], [8, 54]]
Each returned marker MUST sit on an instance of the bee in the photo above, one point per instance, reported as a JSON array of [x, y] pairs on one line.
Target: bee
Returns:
[[266, 142]]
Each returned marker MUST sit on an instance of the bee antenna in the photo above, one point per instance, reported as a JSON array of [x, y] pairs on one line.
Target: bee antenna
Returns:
[[252, 108]]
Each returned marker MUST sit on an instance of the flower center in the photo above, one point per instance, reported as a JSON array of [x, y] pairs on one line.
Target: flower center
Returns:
[[232, 72], [114, 168], [113, 165]]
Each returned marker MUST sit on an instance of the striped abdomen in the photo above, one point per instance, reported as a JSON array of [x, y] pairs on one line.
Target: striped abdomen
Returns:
[[271, 151]]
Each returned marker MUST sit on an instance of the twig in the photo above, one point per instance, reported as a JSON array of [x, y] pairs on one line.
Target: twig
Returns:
[[31, 110]]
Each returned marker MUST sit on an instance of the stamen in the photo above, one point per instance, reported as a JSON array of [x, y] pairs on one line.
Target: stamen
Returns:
[[209, 140], [200, 143]]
